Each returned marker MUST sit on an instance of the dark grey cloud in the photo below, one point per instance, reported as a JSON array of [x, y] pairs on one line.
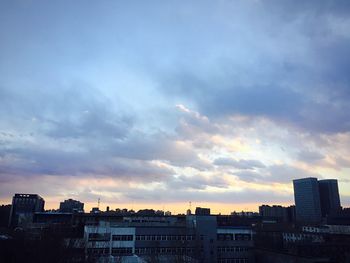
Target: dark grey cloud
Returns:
[[303, 82], [43, 161], [282, 104], [60, 111]]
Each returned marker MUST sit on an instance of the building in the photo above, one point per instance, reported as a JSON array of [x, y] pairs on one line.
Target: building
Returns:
[[340, 218], [49, 218], [316, 199], [329, 197], [23, 208], [4, 215], [202, 211], [291, 213], [307, 200], [276, 211], [281, 242], [70, 206], [169, 239]]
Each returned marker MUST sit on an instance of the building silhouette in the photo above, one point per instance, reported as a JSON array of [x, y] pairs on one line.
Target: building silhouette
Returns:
[[70, 206], [307, 200], [200, 211], [275, 211], [329, 196], [23, 208]]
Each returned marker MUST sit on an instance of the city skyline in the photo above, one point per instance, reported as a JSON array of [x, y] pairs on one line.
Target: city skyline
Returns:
[[313, 200], [152, 105]]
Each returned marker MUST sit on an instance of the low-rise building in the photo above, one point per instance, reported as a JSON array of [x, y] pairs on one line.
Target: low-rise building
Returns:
[[169, 239], [70, 206]]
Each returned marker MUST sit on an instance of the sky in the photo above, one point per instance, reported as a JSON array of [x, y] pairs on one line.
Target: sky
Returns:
[[155, 104]]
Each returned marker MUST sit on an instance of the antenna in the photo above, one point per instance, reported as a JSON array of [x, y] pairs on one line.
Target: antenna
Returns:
[[98, 203], [190, 205]]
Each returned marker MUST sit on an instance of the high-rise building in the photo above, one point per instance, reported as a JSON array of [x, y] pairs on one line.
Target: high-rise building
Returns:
[[329, 196], [23, 208], [307, 200], [70, 206]]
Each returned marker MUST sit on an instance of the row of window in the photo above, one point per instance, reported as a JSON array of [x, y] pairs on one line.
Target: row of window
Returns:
[[232, 249], [24, 200], [115, 251], [122, 237], [166, 237], [220, 237], [121, 251], [106, 237], [233, 260], [225, 237], [98, 251], [164, 250], [99, 236]]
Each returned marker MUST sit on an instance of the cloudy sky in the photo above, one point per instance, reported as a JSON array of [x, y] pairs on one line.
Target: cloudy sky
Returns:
[[158, 103]]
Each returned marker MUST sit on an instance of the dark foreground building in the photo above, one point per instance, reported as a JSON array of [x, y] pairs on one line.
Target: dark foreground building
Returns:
[[169, 239], [23, 208], [307, 200], [329, 197], [316, 200]]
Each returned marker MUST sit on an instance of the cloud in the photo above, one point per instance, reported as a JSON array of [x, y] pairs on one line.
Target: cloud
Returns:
[[231, 197], [281, 173], [240, 164], [279, 77], [166, 100], [309, 156], [342, 162], [198, 182], [43, 161], [72, 111], [159, 146]]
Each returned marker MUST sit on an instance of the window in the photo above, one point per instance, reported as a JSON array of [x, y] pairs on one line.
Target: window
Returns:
[[121, 251], [242, 237], [99, 237], [98, 251], [122, 237]]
